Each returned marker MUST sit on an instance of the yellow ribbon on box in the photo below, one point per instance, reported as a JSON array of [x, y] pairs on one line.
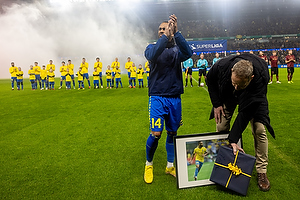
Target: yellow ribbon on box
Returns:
[[233, 168]]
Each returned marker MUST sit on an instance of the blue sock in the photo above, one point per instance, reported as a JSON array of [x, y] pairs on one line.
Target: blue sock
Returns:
[[170, 147], [196, 171], [101, 81], [151, 146], [89, 82], [73, 83], [121, 83], [60, 83]]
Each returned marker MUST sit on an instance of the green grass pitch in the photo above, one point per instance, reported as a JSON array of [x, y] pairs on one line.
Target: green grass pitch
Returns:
[[204, 172], [91, 144]]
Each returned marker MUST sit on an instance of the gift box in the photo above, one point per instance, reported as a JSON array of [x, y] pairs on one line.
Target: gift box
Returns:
[[233, 171]]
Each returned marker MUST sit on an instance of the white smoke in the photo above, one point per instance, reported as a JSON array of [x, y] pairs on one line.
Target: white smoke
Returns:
[[65, 29]]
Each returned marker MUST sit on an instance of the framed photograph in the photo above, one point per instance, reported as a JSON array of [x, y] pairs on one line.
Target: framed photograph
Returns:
[[195, 157]]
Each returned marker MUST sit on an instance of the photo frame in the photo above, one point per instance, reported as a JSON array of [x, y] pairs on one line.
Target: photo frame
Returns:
[[203, 159]]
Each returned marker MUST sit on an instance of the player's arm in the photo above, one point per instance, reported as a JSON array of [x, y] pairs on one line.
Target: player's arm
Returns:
[[153, 51], [185, 52]]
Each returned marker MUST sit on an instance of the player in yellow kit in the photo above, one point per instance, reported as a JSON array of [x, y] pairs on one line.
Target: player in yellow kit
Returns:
[[132, 75], [114, 65], [108, 77], [44, 77], [80, 79], [200, 152], [68, 79], [98, 65], [13, 73], [96, 78], [147, 72], [63, 72], [37, 71], [140, 73], [70, 66], [128, 65], [49, 66], [20, 78], [85, 70], [31, 74], [51, 77], [118, 77]]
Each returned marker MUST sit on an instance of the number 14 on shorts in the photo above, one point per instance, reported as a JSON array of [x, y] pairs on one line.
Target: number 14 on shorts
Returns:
[[156, 124]]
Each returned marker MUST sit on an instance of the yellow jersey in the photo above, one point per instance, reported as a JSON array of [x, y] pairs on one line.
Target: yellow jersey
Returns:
[[51, 76], [71, 69], [43, 74], [98, 65], [128, 65], [50, 67], [13, 71], [108, 74], [132, 71], [96, 76], [117, 73], [80, 76], [68, 77], [63, 70], [146, 64], [37, 70], [199, 153], [84, 68], [20, 75], [140, 73], [115, 64], [31, 74], [147, 71]]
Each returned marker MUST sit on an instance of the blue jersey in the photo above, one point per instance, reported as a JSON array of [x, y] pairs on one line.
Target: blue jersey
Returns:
[[188, 63], [201, 62], [165, 59], [215, 60]]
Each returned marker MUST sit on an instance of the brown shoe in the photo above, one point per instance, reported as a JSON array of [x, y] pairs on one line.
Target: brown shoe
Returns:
[[263, 182]]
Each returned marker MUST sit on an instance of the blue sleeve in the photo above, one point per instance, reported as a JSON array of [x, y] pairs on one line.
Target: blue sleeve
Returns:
[[184, 64], [198, 63], [185, 51], [153, 51]]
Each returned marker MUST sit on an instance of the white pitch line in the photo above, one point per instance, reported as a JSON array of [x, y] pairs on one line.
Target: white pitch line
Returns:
[[203, 86]]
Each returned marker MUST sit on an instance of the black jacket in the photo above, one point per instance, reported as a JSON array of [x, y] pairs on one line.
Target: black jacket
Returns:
[[252, 100]]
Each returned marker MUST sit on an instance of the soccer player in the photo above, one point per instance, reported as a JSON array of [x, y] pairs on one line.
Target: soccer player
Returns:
[[63, 72], [140, 73], [128, 65], [51, 79], [113, 66], [31, 74], [118, 77], [274, 67], [68, 79], [49, 66], [263, 56], [44, 77], [199, 152], [108, 77], [70, 66], [216, 58], [165, 88], [85, 70], [188, 65], [80, 79], [202, 64], [13, 70], [98, 65], [19, 78], [37, 71], [96, 78], [290, 61], [132, 75], [147, 72], [242, 80]]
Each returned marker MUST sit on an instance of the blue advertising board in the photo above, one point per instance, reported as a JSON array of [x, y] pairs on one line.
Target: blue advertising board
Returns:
[[209, 45]]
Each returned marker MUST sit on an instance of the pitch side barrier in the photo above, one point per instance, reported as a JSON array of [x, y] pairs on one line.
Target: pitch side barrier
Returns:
[[279, 66]]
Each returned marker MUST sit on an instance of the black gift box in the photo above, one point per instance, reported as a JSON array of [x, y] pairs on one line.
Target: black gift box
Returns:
[[233, 171]]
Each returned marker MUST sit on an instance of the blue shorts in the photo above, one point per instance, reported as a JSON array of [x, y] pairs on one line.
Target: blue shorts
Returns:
[[128, 74], [37, 77], [100, 74], [72, 76], [199, 163], [63, 78], [118, 79], [132, 78], [140, 79], [14, 79], [113, 74], [96, 81], [19, 80], [86, 75], [108, 80], [165, 110], [32, 81]]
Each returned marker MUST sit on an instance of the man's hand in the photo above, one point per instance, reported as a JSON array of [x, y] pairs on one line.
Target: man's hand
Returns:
[[236, 147], [218, 112], [173, 21]]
